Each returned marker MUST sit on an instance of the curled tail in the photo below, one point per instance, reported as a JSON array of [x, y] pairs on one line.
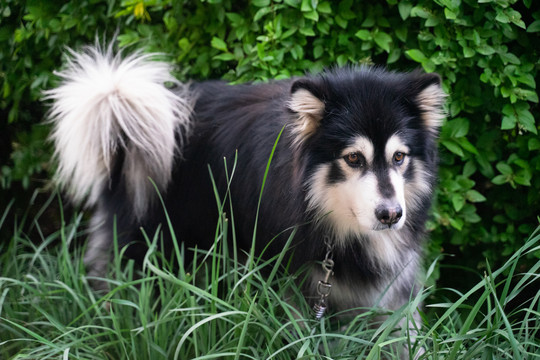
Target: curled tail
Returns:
[[107, 104]]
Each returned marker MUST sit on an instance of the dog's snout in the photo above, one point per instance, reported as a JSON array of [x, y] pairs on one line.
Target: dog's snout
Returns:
[[389, 214]]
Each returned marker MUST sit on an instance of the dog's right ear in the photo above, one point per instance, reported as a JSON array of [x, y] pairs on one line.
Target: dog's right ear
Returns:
[[428, 94], [307, 104]]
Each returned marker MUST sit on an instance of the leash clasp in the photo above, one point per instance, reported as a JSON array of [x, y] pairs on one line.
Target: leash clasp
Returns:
[[324, 288]]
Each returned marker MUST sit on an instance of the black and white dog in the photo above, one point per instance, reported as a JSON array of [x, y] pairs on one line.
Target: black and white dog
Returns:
[[355, 165]]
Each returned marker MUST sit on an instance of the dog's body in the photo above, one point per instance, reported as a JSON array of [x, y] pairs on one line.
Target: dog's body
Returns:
[[355, 165]]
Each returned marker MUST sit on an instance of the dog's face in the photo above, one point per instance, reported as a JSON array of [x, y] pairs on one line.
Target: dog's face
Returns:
[[367, 137], [363, 188]]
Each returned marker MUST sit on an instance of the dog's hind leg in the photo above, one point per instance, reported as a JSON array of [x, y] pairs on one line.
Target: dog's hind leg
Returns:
[[98, 252]]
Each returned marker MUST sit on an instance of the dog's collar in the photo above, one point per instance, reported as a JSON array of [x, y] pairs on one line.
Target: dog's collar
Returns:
[[324, 287]]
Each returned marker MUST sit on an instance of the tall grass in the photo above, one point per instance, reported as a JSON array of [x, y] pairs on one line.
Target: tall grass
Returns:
[[217, 307]]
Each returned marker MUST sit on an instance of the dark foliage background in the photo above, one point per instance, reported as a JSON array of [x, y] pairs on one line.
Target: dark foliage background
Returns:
[[486, 51]]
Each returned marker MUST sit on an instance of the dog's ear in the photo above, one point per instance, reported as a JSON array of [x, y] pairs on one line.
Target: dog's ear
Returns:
[[307, 103], [429, 97]]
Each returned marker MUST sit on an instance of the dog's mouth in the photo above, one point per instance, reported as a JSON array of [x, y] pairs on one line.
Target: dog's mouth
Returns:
[[384, 227]]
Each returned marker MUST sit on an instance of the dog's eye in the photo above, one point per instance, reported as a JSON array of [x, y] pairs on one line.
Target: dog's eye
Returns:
[[354, 159], [399, 157]]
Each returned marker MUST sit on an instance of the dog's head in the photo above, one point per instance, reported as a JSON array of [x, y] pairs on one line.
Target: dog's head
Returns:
[[367, 139]]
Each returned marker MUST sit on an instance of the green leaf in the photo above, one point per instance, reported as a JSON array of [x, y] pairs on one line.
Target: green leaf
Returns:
[[6, 90], [526, 120], [523, 178], [458, 201], [224, 57], [458, 127], [465, 183], [500, 179], [466, 145], [344, 10], [342, 60], [473, 218], [515, 18], [468, 52], [449, 14], [508, 122], [534, 144], [518, 113], [394, 56], [312, 15], [383, 40], [261, 3], [421, 12], [6, 12], [341, 22], [219, 44], [453, 147], [485, 50], [509, 58], [475, 196], [528, 80], [404, 8], [401, 33], [432, 21], [457, 223], [325, 7], [416, 55], [528, 95], [363, 34], [293, 3], [235, 18], [318, 51], [469, 169], [534, 27], [262, 12], [369, 21], [504, 168], [509, 110], [429, 66], [307, 31]]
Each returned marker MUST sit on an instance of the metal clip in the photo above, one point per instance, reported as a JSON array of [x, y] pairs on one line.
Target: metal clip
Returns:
[[324, 288], [328, 268]]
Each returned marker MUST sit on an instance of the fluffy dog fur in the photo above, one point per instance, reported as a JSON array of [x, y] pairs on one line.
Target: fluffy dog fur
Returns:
[[356, 164]]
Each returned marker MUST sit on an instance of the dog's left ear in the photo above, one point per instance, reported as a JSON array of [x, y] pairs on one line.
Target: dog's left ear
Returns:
[[307, 104], [429, 97]]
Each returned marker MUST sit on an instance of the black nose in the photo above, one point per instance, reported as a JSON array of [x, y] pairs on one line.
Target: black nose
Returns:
[[388, 215]]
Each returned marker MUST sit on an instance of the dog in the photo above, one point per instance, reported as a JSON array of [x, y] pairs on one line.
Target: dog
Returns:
[[353, 172]]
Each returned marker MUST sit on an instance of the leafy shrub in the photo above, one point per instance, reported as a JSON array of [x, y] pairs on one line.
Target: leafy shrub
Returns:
[[486, 52], [33, 37]]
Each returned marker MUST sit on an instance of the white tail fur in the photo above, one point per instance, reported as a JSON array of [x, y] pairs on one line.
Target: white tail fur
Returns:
[[107, 102]]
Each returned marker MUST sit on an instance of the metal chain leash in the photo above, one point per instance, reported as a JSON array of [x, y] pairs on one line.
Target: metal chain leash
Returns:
[[324, 288]]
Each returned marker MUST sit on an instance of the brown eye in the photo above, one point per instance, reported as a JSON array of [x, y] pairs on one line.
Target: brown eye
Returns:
[[354, 159], [399, 157]]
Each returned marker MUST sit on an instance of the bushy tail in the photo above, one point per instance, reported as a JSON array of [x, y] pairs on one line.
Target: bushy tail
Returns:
[[107, 104]]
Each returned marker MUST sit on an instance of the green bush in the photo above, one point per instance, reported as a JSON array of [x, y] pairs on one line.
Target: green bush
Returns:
[[486, 51], [33, 37]]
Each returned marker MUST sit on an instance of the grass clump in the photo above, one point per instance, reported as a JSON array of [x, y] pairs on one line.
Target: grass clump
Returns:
[[221, 308]]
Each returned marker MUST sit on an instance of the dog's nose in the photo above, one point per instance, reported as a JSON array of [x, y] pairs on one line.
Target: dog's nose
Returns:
[[388, 214]]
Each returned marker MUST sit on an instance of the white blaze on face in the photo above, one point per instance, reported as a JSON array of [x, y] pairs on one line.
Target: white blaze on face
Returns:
[[349, 205], [396, 173]]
